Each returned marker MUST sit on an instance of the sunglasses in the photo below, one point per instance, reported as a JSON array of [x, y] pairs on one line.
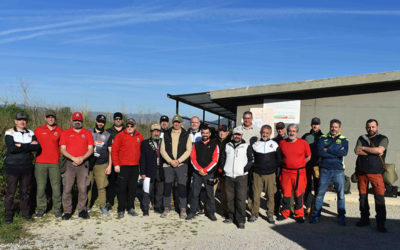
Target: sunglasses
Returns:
[[118, 119], [129, 126]]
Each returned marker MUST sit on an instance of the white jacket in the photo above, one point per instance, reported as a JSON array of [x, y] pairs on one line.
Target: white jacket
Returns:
[[237, 160]]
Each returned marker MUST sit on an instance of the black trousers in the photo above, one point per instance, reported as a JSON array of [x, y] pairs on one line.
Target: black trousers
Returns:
[[112, 188], [236, 195], [156, 192], [198, 180], [24, 193], [312, 184], [127, 182]]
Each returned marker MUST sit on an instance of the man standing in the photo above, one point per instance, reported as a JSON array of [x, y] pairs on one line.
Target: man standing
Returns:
[[296, 153], [312, 168], [251, 133], [125, 157], [46, 166], [112, 188], [150, 167], [20, 142], [371, 150], [236, 160], [281, 135], [204, 158], [267, 158], [281, 132], [332, 147], [101, 162], [176, 147], [164, 123], [194, 131], [77, 146]]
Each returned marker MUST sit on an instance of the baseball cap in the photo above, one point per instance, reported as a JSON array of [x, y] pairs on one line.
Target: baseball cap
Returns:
[[155, 126], [118, 115], [101, 118], [315, 120], [164, 118], [177, 118], [131, 121], [50, 113], [21, 116], [280, 125], [237, 131], [223, 128], [77, 116]]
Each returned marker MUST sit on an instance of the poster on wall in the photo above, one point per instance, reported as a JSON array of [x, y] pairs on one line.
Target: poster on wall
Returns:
[[287, 111], [262, 116]]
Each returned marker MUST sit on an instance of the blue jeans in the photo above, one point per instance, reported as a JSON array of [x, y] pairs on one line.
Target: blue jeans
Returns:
[[326, 177]]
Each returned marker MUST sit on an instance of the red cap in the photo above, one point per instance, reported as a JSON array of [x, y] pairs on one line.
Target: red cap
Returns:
[[77, 116]]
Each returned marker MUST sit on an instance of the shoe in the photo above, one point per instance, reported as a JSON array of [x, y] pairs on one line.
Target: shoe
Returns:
[[253, 218], [281, 218], [27, 217], [89, 209], [108, 206], [300, 220], [158, 210], [104, 211], [120, 215], [363, 222], [58, 214], [190, 216], [84, 214], [66, 216], [145, 213], [165, 213], [132, 212], [314, 219], [8, 220], [381, 228], [271, 220], [182, 214], [342, 220], [228, 221], [40, 213], [212, 217], [240, 225]]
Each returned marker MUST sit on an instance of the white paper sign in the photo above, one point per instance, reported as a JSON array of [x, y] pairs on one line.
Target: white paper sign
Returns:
[[284, 111], [146, 185]]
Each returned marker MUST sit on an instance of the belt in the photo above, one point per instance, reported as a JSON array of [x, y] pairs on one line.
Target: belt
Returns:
[[297, 175]]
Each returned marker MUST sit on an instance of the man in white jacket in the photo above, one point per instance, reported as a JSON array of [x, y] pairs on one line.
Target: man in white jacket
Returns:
[[236, 160]]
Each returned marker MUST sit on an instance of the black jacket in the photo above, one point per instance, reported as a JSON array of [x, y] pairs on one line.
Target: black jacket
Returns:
[[148, 159]]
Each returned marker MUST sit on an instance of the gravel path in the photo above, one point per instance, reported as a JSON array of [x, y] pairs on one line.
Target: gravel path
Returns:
[[153, 232]]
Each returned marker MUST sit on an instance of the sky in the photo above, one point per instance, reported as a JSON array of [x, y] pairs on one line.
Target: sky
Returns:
[[126, 56]]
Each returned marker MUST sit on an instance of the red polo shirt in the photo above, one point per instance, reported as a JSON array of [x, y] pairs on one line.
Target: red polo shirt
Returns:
[[48, 140], [76, 143], [126, 149], [294, 153]]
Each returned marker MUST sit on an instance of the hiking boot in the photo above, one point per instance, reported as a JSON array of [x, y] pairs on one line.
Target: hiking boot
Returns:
[[342, 220], [228, 221], [57, 214], [190, 216], [84, 214], [240, 225], [300, 220], [120, 215], [104, 211], [281, 218], [27, 217], [145, 213], [271, 220], [132, 212], [165, 213], [40, 213], [253, 218], [182, 214], [212, 217], [363, 222], [66, 216], [8, 219]]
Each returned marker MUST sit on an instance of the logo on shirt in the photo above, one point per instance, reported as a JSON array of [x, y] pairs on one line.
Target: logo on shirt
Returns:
[[83, 136], [103, 137], [338, 141], [138, 140], [55, 134], [270, 145]]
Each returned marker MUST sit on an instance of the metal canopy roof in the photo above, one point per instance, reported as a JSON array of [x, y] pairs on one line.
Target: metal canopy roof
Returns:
[[203, 101]]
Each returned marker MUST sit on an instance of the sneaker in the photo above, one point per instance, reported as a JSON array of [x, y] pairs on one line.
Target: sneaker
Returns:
[[132, 212], [253, 218], [40, 213], [8, 220], [300, 220], [212, 217], [165, 213], [108, 206], [190, 216], [104, 211], [27, 217], [120, 215], [84, 214], [281, 218], [228, 221], [342, 220], [58, 214], [363, 222], [271, 220], [89, 209], [145, 213], [182, 214], [314, 219], [66, 216], [240, 225]]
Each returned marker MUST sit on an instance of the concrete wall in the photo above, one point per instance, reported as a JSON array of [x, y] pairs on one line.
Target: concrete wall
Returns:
[[353, 111]]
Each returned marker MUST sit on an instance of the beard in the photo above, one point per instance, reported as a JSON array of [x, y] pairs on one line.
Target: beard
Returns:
[[292, 137], [371, 133], [205, 138], [98, 128], [77, 125], [237, 140]]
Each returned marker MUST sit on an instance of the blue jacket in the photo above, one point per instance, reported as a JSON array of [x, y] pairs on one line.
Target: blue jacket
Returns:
[[333, 157]]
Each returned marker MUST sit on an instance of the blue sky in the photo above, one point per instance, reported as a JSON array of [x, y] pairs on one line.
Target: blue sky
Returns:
[[127, 55]]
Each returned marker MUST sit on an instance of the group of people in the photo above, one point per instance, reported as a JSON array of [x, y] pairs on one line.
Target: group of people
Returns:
[[176, 165]]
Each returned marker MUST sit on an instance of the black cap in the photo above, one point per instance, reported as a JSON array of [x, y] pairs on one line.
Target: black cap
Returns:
[[280, 125], [222, 128], [101, 118], [315, 120], [21, 116], [118, 115], [164, 118]]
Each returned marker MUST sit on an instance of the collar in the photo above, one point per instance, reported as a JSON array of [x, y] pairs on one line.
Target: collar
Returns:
[[205, 142], [261, 139], [25, 130], [247, 128], [101, 131]]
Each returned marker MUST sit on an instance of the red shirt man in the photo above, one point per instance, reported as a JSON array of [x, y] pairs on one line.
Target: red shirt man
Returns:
[[295, 154]]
